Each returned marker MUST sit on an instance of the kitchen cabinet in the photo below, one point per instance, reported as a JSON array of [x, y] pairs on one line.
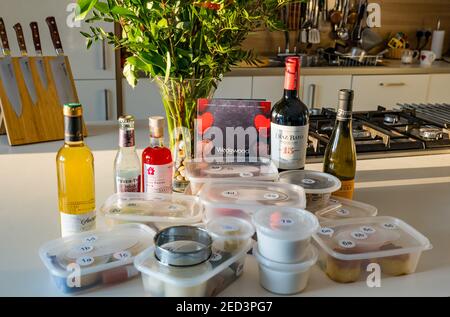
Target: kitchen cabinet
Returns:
[[98, 98], [322, 91], [388, 90], [142, 101], [234, 87], [270, 87], [439, 91]]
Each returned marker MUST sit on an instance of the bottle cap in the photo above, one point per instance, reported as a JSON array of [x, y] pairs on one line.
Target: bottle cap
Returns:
[[346, 94], [72, 109], [126, 119], [156, 124]]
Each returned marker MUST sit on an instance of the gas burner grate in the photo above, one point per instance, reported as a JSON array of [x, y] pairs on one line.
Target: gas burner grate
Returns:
[[438, 114]]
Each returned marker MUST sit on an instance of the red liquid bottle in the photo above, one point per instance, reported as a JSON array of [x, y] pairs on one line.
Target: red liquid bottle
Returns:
[[157, 164]]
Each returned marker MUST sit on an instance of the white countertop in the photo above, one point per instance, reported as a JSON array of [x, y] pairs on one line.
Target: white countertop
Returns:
[[415, 189]]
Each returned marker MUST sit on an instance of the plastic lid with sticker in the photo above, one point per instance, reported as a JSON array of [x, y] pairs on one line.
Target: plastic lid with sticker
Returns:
[[200, 170], [238, 193], [368, 238], [173, 209], [286, 223], [341, 208], [313, 182], [230, 228], [96, 251]]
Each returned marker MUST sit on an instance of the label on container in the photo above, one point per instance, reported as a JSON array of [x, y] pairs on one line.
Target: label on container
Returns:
[[367, 229], [271, 196], [128, 185], [286, 221], [288, 146], [215, 257], [230, 194], [91, 239], [326, 231], [347, 244], [158, 178], [122, 255], [358, 235], [85, 261], [71, 224], [308, 181], [83, 249], [246, 174], [343, 212], [230, 228], [389, 226], [347, 189]]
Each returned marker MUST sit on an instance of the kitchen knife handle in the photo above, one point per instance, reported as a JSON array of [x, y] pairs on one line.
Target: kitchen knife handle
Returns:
[[20, 38], [36, 37], [4, 37], [54, 33]]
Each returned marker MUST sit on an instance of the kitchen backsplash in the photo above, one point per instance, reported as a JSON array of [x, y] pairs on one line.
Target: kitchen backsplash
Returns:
[[396, 16]]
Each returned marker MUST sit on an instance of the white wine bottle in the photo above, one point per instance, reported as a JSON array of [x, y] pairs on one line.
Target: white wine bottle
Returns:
[[340, 154]]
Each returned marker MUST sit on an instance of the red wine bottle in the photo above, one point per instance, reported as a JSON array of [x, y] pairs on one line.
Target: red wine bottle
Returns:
[[290, 123]]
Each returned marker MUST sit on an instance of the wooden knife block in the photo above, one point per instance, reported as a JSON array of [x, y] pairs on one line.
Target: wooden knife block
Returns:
[[39, 122]]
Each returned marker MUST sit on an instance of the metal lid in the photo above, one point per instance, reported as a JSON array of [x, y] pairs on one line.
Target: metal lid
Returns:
[[126, 119], [182, 246], [72, 109]]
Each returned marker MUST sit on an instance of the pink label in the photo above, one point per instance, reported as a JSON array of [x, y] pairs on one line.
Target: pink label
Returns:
[[158, 178]]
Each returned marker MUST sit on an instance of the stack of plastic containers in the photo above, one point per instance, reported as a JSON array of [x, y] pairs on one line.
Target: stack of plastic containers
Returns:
[[284, 251]]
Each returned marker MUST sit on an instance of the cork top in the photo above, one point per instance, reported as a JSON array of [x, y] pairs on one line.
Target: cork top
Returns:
[[156, 124]]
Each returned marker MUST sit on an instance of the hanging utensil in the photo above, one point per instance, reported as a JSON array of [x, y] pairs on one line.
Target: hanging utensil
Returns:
[[356, 33], [314, 33], [343, 32]]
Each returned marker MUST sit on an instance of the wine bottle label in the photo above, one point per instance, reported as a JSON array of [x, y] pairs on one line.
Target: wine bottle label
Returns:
[[347, 189], [128, 185], [73, 129], [288, 145], [71, 224], [343, 115], [158, 178]]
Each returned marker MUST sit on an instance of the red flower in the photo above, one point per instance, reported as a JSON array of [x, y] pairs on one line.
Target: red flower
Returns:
[[209, 5]]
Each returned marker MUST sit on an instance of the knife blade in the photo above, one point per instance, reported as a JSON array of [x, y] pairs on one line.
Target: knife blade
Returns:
[[24, 63], [7, 73], [59, 67], [38, 49]]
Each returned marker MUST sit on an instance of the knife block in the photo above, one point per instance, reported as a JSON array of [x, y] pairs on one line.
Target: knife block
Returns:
[[41, 121]]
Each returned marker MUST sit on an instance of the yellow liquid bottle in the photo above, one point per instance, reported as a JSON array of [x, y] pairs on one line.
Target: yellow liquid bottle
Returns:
[[75, 170]]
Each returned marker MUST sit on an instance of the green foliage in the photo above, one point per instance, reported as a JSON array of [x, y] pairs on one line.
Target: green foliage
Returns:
[[181, 39]]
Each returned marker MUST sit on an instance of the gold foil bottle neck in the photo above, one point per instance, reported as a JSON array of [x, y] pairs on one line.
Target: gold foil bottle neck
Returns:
[[73, 110]]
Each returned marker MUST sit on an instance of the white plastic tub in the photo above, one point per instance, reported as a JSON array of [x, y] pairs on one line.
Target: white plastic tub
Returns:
[[341, 208], [347, 247], [284, 233], [285, 279], [243, 199], [95, 258], [200, 172], [230, 233], [155, 210]]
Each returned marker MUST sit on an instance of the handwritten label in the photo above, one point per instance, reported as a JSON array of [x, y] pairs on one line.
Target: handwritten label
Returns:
[[326, 231], [359, 235], [90, 239], [230, 194], [389, 226], [367, 229], [85, 261], [271, 196], [347, 244], [122, 255]]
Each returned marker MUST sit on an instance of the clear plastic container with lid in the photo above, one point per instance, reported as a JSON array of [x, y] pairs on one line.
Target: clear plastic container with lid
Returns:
[[230, 233], [284, 233], [101, 256], [208, 278], [318, 186], [242, 199], [200, 172], [341, 208], [347, 247], [284, 278], [156, 210]]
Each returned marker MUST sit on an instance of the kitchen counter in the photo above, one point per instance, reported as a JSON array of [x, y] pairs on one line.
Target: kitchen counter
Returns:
[[391, 67], [415, 189]]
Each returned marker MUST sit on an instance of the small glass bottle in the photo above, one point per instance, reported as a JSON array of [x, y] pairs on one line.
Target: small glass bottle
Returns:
[[157, 163], [127, 167]]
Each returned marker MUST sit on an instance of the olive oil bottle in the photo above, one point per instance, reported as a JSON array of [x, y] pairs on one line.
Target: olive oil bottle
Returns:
[[340, 154], [75, 170]]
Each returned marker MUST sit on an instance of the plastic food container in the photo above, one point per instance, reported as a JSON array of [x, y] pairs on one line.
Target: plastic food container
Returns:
[[230, 233], [242, 199], [200, 172], [284, 234], [285, 279], [155, 210], [318, 186], [95, 258], [205, 279], [341, 208], [349, 246]]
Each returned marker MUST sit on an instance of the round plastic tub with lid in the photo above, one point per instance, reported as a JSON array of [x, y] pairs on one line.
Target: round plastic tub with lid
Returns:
[[208, 278], [284, 233], [282, 278], [200, 172], [242, 199], [318, 186], [341, 208], [230, 233], [155, 210], [86, 260], [347, 247]]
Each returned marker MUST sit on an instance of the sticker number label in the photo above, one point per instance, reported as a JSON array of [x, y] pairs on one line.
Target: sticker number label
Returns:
[[90, 239], [246, 174], [122, 255], [215, 257], [389, 226], [326, 231], [368, 229], [85, 261], [347, 244], [358, 235], [286, 221], [84, 249], [271, 196], [343, 212], [230, 194], [308, 181]]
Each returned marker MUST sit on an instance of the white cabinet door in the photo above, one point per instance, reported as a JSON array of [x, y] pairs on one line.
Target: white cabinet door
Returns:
[[439, 91], [142, 101], [234, 88], [388, 90], [98, 98], [96, 63], [322, 91], [268, 87]]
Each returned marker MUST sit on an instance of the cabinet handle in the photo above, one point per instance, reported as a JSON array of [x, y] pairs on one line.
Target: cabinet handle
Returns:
[[312, 96], [392, 84], [103, 53], [105, 94]]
